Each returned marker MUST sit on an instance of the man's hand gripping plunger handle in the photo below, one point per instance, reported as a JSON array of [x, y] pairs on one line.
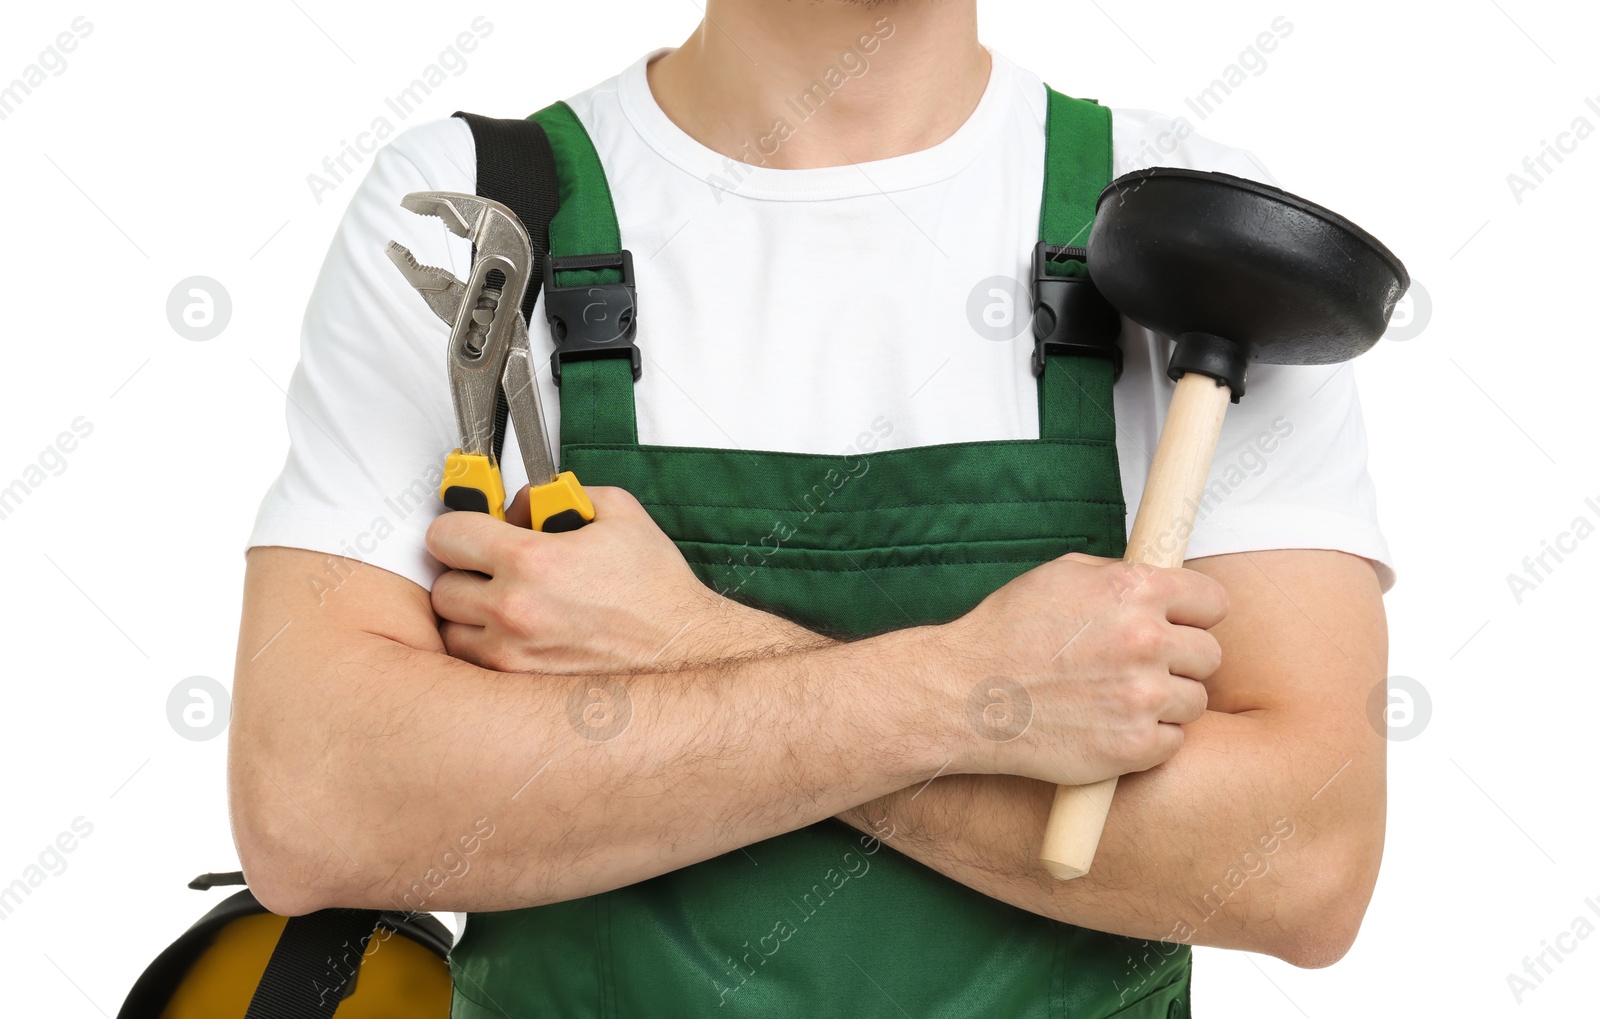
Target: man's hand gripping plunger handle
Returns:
[[1160, 538], [1237, 272]]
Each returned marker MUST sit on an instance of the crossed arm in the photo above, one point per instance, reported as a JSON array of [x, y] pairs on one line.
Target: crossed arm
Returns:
[[1264, 832], [362, 751]]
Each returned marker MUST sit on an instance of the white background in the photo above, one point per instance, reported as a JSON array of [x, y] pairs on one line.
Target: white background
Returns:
[[178, 144]]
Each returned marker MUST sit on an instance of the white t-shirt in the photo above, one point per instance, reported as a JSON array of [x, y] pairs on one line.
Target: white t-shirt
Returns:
[[787, 310]]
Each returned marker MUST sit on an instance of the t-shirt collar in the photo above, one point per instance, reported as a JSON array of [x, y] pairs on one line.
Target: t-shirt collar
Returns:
[[740, 177]]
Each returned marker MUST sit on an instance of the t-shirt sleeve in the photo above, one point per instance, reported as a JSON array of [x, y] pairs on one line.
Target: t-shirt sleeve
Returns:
[[1291, 465], [1292, 472], [368, 409]]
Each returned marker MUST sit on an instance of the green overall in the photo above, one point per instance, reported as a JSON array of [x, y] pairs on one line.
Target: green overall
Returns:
[[826, 921]]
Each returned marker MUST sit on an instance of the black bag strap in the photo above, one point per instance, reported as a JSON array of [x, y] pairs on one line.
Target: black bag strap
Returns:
[[517, 168], [317, 954], [313, 965]]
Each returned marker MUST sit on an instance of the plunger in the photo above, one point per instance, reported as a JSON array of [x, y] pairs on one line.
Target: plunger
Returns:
[[1236, 272]]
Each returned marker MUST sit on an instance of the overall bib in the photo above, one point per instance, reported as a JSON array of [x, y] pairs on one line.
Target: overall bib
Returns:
[[825, 921]]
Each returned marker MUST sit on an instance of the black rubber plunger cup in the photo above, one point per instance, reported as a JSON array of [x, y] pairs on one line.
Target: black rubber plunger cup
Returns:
[[1235, 272]]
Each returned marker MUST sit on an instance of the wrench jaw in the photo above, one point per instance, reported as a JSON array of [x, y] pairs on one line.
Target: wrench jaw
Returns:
[[461, 213], [501, 246], [490, 225], [478, 342], [483, 312], [442, 291]]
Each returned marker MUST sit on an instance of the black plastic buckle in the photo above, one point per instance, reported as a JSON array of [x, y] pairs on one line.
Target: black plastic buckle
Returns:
[[598, 320], [1070, 315]]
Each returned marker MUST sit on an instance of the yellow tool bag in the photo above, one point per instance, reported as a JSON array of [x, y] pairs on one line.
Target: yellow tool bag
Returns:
[[216, 966]]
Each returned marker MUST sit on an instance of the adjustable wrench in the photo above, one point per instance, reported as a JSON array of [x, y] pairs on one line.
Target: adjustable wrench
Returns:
[[488, 352]]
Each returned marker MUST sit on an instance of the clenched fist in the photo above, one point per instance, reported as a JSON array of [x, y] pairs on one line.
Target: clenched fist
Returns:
[[1084, 668]]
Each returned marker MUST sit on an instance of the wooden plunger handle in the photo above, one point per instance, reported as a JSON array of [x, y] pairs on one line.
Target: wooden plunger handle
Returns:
[[1160, 538]]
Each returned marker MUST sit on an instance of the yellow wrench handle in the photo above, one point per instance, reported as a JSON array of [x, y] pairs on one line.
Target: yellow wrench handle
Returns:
[[472, 482], [559, 505]]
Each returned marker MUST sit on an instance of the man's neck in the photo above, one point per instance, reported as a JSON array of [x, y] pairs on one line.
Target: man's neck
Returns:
[[793, 85]]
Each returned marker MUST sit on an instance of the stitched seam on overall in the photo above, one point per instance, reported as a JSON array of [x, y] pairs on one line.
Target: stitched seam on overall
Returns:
[[825, 510], [886, 453], [874, 569], [930, 546]]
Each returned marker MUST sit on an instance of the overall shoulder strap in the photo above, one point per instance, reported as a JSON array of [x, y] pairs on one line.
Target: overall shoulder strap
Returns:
[[1077, 167], [589, 294], [1075, 377]]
